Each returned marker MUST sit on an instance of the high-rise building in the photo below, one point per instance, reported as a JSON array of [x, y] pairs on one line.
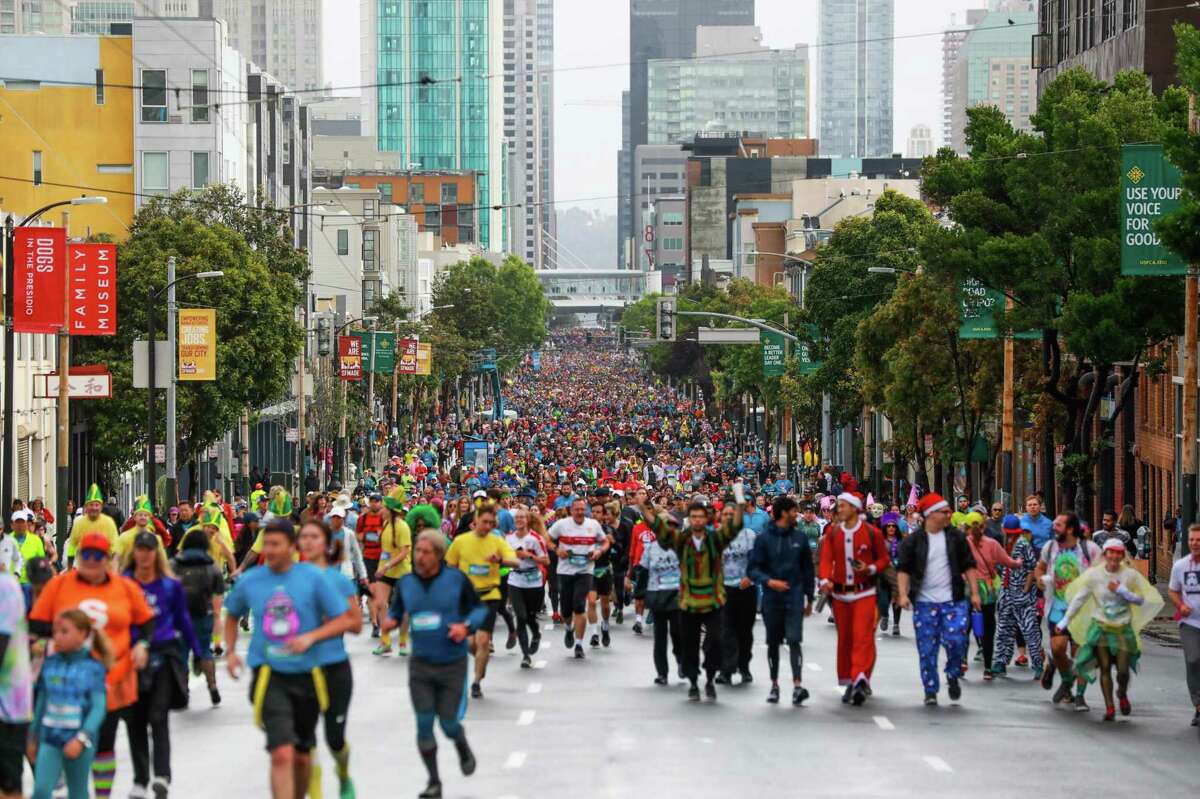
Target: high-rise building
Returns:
[[528, 113], [281, 36], [952, 39], [85, 16], [734, 83], [992, 68], [857, 77], [438, 101], [920, 142], [663, 29]]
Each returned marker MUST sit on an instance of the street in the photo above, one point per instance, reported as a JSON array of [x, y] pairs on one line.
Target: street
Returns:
[[600, 728]]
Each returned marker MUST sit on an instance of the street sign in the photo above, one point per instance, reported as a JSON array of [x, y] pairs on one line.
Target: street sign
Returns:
[[773, 354], [727, 335], [291, 435], [160, 453], [1150, 189], [80, 386]]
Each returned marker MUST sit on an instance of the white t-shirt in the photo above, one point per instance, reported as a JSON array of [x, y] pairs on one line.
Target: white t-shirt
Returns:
[[580, 540], [936, 585], [527, 575], [1185, 578]]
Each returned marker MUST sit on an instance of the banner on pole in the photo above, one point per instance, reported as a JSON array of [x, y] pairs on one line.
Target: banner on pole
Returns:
[[350, 359], [1150, 189], [39, 279], [424, 359], [381, 356], [407, 365], [773, 354], [92, 283], [979, 305], [197, 344]]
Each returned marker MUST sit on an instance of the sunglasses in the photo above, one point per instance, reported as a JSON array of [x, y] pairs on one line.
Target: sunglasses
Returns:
[[93, 555]]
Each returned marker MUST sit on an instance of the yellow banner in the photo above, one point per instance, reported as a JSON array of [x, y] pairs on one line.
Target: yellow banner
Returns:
[[197, 344], [424, 359]]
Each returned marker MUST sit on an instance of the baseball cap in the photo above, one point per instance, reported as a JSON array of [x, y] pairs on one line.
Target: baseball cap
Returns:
[[20, 515], [479, 495], [375, 496], [1011, 524], [38, 570], [145, 540], [96, 540], [338, 511]]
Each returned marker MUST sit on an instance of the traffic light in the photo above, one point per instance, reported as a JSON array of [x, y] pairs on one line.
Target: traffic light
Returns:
[[324, 336], [665, 318]]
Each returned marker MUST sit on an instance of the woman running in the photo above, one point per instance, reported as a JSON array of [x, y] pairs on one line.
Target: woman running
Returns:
[[526, 584]]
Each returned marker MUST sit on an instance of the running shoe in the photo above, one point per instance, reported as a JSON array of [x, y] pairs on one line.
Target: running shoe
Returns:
[[858, 696], [1047, 678], [694, 693], [569, 638], [721, 679], [1126, 707], [848, 694], [346, 789], [402, 649], [661, 680], [1196, 719], [556, 618], [466, 758], [432, 791], [1110, 713], [218, 650], [476, 691], [830, 620], [160, 788], [579, 651], [954, 689], [1062, 695], [895, 630], [605, 638], [535, 643], [710, 691], [382, 651], [799, 694], [595, 642], [619, 615], [930, 700], [1021, 661], [999, 670], [215, 696], [1081, 705], [773, 695], [374, 630], [526, 662], [637, 628], [883, 624], [979, 656], [747, 677], [511, 643]]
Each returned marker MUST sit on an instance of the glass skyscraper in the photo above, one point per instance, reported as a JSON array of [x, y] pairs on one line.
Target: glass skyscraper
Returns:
[[857, 77], [438, 100]]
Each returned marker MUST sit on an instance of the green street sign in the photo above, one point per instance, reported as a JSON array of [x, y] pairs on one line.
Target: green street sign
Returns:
[[773, 349], [979, 305], [381, 357], [1150, 189]]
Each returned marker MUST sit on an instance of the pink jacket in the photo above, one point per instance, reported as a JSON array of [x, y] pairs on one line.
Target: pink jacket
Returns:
[[987, 553]]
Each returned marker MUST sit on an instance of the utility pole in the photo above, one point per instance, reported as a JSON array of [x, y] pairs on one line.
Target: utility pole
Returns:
[[172, 466], [1191, 309], [786, 426], [300, 415], [396, 385], [62, 477], [368, 451], [150, 387], [1007, 443]]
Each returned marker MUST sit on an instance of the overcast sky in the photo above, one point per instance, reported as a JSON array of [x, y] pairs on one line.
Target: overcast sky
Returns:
[[587, 101]]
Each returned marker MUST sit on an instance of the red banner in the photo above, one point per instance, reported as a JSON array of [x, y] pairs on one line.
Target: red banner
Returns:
[[39, 279], [350, 361], [406, 360], [92, 281]]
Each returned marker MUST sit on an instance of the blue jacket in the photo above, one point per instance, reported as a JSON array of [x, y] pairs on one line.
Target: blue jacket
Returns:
[[432, 605], [783, 554]]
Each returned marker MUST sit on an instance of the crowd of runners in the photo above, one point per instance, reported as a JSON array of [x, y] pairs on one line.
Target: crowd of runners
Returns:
[[610, 499]]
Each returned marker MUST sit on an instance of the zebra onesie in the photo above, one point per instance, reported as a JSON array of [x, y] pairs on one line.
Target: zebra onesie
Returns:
[[1018, 610]]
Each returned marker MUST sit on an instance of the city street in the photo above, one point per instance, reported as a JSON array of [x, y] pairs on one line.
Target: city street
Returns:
[[600, 728]]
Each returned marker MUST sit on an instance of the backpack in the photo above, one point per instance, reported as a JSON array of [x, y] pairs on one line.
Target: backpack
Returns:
[[197, 582]]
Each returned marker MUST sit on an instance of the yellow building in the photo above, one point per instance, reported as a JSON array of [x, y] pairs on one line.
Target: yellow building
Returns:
[[66, 120]]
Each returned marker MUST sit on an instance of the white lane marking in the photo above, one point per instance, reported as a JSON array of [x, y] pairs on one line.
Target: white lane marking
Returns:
[[515, 760], [526, 718], [937, 764], [549, 628], [884, 724], [539, 664], [812, 666], [705, 740], [534, 688]]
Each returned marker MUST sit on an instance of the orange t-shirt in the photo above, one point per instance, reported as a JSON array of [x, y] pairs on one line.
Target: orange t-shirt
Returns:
[[116, 605]]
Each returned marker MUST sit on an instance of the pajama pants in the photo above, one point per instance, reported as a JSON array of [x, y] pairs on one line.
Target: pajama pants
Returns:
[[1012, 616], [856, 638], [941, 624]]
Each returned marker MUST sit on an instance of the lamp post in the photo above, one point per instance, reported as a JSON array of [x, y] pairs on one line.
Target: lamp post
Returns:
[[341, 448], [62, 476], [151, 304]]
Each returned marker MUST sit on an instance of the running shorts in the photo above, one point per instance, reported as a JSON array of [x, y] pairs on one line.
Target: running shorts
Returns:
[[438, 687], [488, 625], [783, 624], [372, 565], [573, 590], [603, 584], [289, 709]]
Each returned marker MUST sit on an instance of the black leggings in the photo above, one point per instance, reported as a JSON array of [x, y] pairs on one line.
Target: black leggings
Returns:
[[151, 711], [737, 628], [666, 622], [552, 580], [988, 642], [339, 680], [504, 612], [526, 602]]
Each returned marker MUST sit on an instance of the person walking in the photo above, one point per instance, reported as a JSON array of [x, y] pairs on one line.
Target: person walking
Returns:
[[741, 603], [988, 556], [1184, 591]]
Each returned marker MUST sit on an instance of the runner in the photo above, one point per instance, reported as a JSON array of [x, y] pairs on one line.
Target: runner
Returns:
[[602, 580], [293, 607], [93, 520], [579, 542], [640, 536], [741, 602], [442, 609], [369, 530], [526, 585], [203, 589], [1184, 590], [1017, 612], [659, 567], [396, 557], [479, 555]]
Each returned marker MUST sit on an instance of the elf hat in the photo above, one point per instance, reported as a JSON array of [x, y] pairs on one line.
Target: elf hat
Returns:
[[281, 503], [94, 495], [142, 503]]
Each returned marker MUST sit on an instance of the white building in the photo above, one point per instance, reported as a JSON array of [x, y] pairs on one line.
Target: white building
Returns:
[[85, 16], [182, 140], [920, 142], [282, 36]]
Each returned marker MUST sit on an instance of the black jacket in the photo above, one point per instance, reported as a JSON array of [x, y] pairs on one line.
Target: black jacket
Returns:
[[914, 553]]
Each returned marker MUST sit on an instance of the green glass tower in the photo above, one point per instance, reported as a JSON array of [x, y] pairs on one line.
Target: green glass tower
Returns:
[[438, 103]]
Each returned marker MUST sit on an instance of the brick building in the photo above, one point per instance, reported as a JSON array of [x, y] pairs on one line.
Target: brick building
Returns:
[[442, 201]]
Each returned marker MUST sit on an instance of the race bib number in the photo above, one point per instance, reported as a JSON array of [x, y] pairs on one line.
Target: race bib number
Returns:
[[425, 621], [669, 580], [63, 715], [372, 538], [578, 560], [479, 570]]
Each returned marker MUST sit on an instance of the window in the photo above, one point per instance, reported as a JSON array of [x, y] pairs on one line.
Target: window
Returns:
[[416, 194], [155, 173], [154, 95], [433, 216], [1130, 13], [37, 167], [199, 95], [1108, 15], [449, 193], [672, 218], [370, 211], [385, 191], [368, 250], [199, 170], [99, 87], [343, 242]]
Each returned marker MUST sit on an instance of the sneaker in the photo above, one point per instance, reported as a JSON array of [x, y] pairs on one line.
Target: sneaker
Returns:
[[1063, 694], [245, 624], [896, 631], [432, 791], [883, 624], [1196, 719], [661, 680], [1081, 705], [1021, 661], [830, 620], [858, 695], [721, 679], [214, 695], [999, 670], [988, 676], [773, 695], [799, 694], [569, 638], [605, 638], [694, 693], [160, 788], [511, 643], [619, 615], [637, 628], [466, 758], [979, 656], [747, 677], [595, 642], [535, 643], [1037, 674], [402, 649], [954, 689], [526, 662], [346, 789], [1126, 707], [476, 691], [1110, 713], [218, 651], [556, 618], [710, 691], [382, 651], [375, 631], [578, 651], [138, 792], [930, 700], [848, 694], [1047, 678]]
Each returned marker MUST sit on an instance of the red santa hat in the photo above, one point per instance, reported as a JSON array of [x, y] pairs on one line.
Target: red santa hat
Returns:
[[852, 498], [931, 502]]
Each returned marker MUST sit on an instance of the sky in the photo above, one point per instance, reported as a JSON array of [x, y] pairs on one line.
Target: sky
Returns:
[[588, 101]]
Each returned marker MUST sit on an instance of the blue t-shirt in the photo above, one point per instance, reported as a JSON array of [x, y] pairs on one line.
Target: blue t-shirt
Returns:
[[333, 650], [505, 523], [284, 606], [1041, 529], [756, 521]]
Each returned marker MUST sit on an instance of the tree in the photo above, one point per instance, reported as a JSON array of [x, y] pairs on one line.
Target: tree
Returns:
[[1036, 215], [258, 337]]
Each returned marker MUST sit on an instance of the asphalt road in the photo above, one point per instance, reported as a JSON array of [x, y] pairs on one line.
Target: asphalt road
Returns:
[[600, 728]]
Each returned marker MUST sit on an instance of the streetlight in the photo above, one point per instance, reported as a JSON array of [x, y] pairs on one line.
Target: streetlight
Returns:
[[152, 298], [341, 454], [892, 270], [62, 476]]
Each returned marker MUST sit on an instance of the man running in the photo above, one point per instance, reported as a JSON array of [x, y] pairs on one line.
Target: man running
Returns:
[[443, 609], [602, 581], [579, 542], [1184, 590]]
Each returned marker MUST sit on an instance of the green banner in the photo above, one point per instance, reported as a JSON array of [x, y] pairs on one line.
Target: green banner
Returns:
[[1150, 189], [381, 357], [979, 305], [773, 349], [807, 365]]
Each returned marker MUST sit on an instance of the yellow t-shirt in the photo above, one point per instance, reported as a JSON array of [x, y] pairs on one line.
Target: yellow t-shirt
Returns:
[[469, 553], [396, 536], [125, 542], [83, 525]]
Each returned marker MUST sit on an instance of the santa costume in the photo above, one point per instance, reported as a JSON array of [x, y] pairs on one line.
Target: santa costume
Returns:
[[853, 594]]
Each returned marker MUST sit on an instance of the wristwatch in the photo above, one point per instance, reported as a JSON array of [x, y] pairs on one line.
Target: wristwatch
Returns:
[[84, 739]]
